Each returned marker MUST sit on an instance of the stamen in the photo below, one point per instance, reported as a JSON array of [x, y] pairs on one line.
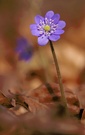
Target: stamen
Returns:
[[52, 31], [50, 19], [46, 21], [41, 32]]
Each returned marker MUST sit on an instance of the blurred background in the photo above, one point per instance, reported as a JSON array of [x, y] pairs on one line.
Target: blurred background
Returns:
[[35, 66]]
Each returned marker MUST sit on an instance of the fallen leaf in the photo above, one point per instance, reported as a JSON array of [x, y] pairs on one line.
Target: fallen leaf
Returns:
[[48, 94]]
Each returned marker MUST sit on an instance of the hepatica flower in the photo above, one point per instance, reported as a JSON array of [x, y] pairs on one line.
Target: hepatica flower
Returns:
[[47, 28], [24, 49]]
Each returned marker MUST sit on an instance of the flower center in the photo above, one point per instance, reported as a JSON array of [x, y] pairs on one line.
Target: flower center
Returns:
[[47, 28]]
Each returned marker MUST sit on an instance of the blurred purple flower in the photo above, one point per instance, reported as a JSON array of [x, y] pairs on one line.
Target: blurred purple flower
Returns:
[[48, 28], [24, 49]]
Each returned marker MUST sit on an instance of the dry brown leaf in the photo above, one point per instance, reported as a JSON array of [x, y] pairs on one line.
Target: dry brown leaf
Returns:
[[49, 93], [35, 106], [81, 95], [4, 101], [23, 104]]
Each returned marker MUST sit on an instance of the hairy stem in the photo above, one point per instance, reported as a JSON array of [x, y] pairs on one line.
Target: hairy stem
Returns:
[[59, 75]]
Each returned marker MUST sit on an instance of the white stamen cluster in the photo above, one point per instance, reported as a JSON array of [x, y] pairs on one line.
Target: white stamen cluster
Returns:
[[48, 22]]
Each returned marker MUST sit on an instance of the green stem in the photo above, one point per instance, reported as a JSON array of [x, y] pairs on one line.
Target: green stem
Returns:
[[59, 75]]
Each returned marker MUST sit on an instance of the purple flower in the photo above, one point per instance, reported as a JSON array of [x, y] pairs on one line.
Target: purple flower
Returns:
[[48, 28], [24, 49]]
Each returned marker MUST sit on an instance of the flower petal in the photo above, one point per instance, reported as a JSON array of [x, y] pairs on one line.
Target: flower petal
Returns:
[[38, 18], [56, 18], [42, 40], [61, 24], [59, 32], [54, 37], [49, 14], [33, 26], [19, 48], [21, 43], [35, 32], [25, 56]]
